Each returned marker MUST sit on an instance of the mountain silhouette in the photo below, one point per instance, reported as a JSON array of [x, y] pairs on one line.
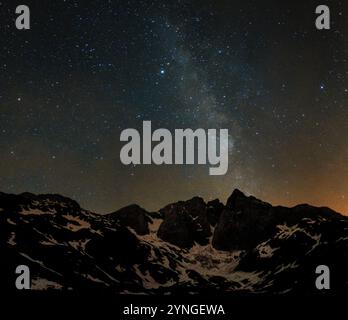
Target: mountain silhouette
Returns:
[[246, 246]]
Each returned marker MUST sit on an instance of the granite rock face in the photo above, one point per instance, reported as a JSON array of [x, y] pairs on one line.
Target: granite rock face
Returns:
[[214, 210], [247, 221], [244, 222], [185, 222], [133, 216]]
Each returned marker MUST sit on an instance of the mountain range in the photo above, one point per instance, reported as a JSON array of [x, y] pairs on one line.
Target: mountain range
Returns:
[[245, 246]]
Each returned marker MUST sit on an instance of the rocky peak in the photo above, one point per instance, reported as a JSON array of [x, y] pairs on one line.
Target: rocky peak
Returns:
[[244, 222], [132, 216], [185, 222]]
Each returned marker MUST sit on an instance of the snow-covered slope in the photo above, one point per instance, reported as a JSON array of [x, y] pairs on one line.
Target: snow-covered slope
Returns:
[[246, 246]]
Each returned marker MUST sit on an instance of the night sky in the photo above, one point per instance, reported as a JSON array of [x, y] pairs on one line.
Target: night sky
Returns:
[[89, 69]]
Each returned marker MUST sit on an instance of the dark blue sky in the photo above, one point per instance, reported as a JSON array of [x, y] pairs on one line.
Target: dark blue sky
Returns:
[[89, 69]]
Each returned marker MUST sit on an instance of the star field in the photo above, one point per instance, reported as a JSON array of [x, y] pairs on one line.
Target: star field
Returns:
[[87, 70]]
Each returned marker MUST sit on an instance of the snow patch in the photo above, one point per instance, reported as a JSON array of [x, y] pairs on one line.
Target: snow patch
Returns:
[[79, 245], [39, 263], [9, 221], [44, 284], [91, 278], [265, 250], [154, 225], [76, 223], [283, 267], [33, 212], [11, 241]]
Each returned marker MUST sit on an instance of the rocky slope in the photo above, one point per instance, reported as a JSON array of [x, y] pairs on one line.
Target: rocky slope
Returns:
[[245, 246]]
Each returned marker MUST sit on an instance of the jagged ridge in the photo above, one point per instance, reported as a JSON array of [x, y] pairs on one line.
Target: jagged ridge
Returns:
[[190, 246]]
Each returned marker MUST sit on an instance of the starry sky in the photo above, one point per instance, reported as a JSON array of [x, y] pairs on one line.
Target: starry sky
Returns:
[[89, 69]]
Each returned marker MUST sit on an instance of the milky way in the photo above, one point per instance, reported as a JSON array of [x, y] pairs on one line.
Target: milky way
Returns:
[[87, 70]]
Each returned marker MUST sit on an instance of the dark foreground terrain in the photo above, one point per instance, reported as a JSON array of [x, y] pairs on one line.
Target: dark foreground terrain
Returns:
[[244, 247]]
